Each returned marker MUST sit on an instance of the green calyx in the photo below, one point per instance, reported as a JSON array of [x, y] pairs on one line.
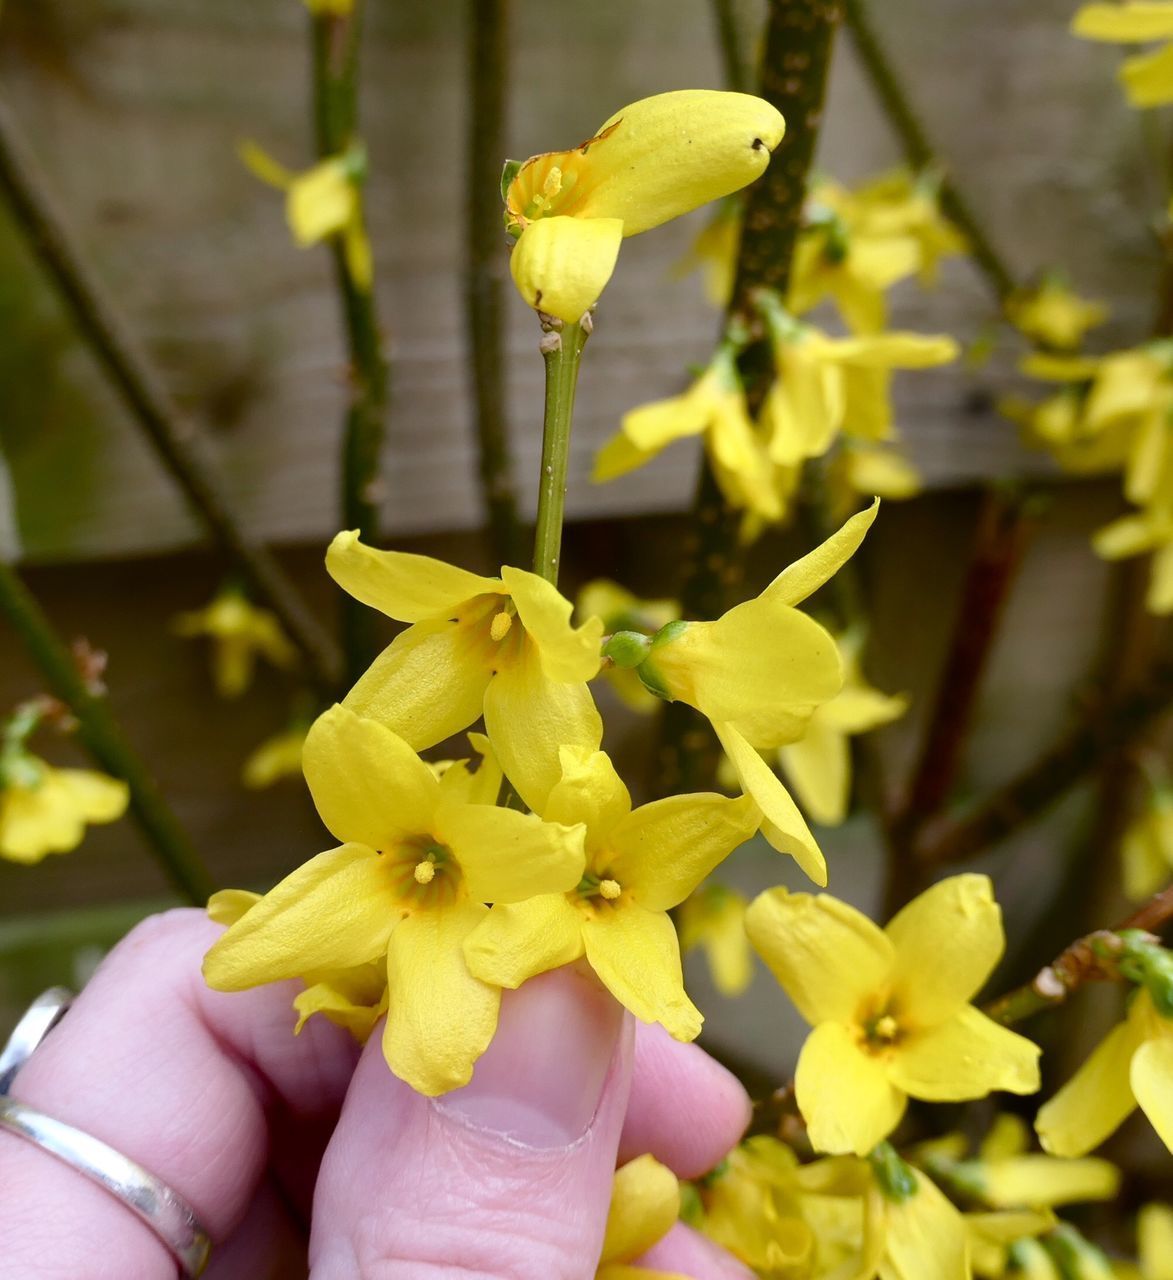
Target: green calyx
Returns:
[[508, 173], [1144, 961], [895, 1178], [628, 649]]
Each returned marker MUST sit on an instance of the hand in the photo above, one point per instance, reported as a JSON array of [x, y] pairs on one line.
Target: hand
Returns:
[[509, 1177]]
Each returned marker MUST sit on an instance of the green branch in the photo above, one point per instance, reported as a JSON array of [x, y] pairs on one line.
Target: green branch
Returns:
[[562, 351]]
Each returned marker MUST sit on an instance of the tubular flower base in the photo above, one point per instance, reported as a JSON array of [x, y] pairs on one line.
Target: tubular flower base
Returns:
[[650, 162], [890, 1008], [44, 810]]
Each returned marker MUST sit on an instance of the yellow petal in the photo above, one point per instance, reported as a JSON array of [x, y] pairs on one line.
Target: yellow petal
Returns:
[[368, 785], [650, 427], [882, 473], [320, 202], [860, 708], [226, 906], [1096, 1100], [334, 912], [356, 245], [406, 587], [819, 769], [925, 1237], [480, 785], [1159, 598], [869, 414], [515, 943], [894, 350], [428, 684], [1045, 1181], [440, 1019], [947, 942], [663, 850], [562, 265], [353, 1005], [829, 957], [782, 824], [617, 458], [276, 758], [1148, 78], [97, 797], [589, 791], [567, 653], [508, 856], [635, 953], [666, 155], [968, 1056], [1128, 536], [529, 717], [714, 918], [1154, 1229], [1151, 1076], [1124, 23], [645, 1203], [844, 1093], [804, 577], [262, 165], [35, 822]]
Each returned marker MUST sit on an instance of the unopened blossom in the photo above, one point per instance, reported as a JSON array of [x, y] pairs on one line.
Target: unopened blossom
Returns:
[[46, 810], [890, 1007], [240, 632], [640, 863], [419, 858], [645, 1204], [713, 919], [1147, 77], [648, 163], [501, 647], [621, 610]]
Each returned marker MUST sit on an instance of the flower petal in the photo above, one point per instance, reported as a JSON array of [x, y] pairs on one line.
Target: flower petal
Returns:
[[515, 943], [819, 769], [844, 1093], [1124, 23], [478, 785], [1148, 78], [804, 577], [926, 1236], [226, 906], [1151, 1077], [334, 912], [508, 856], [947, 942], [589, 791], [1154, 1229], [617, 458], [968, 1056], [97, 797], [406, 587], [663, 850], [635, 953], [440, 1019], [562, 265], [567, 653], [645, 1203], [1044, 1181], [828, 957]]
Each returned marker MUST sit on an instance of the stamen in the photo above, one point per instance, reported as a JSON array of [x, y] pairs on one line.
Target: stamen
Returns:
[[553, 183], [610, 889], [499, 627], [886, 1028], [425, 872]]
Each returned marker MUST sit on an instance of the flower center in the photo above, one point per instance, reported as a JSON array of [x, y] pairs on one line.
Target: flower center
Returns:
[[881, 1030], [424, 872]]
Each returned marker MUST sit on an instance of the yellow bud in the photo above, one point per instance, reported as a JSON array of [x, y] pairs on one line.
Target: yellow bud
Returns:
[[610, 889], [425, 872]]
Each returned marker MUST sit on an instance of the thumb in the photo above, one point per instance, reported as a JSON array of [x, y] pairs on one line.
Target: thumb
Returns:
[[509, 1176]]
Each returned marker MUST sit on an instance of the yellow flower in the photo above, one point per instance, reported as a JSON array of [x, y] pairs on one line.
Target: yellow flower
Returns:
[[419, 858], [503, 647], [45, 810], [240, 632], [869, 471], [913, 1231], [324, 201], [758, 673], [620, 610], [645, 1203], [1132, 1066], [1147, 846], [276, 758], [1054, 316], [1147, 77], [650, 162], [1150, 530], [890, 1008], [819, 763], [901, 203], [713, 918], [639, 865]]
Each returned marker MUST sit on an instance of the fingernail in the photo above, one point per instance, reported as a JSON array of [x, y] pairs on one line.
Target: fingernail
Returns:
[[541, 1080]]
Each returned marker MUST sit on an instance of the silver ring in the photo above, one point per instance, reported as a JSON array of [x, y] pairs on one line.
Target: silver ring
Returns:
[[168, 1215]]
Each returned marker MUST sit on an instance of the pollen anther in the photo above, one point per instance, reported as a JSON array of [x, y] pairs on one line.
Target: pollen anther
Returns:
[[610, 889], [425, 871], [499, 627]]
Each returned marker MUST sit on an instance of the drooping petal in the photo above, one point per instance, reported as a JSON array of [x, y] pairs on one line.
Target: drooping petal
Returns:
[[1125, 23], [819, 769], [645, 1203], [321, 201], [1148, 78], [663, 850], [1128, 536], [968, 1056], [1044, 1181], [1151, 1077], [440, 1019], [97, 797], [589, 791], [507, 856], [428, 684], [828, 957], [617, 458], [947, 942], [529, 717], [36, 821], [334, 912], [844, 1094], [635, 953], [368, 785], [407, 587], [782, 824], [859, 708], [894, 350], [567, 653], [354, 999], [515, 943], [650, 427], [804, 577], [226, 906], [562, 265], [926, 1236]]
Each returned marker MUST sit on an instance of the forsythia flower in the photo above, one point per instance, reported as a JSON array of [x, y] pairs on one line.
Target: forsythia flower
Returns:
[[276, 758], [1147, 845], [818, 765], [890, 1008], [240, 632], [903, 203], [913, 1231], [713, 918], [1054, 316], [1132, 1066], [639, 865], [420, 858], [650, 162], [645, 1204], [503, 647], [1147, 77], [620, 610], [326, 200], [45, 810]]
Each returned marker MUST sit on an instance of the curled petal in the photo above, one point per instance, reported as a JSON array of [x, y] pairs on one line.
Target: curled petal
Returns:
[[562, 265]]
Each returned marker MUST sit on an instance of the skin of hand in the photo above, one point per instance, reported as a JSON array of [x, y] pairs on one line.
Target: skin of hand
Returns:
[[291, 1146]]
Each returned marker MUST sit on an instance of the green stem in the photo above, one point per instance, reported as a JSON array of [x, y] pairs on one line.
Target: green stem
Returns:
[[733, 60], [562, 351], [102, 326], [103, 737], [335, 48]]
